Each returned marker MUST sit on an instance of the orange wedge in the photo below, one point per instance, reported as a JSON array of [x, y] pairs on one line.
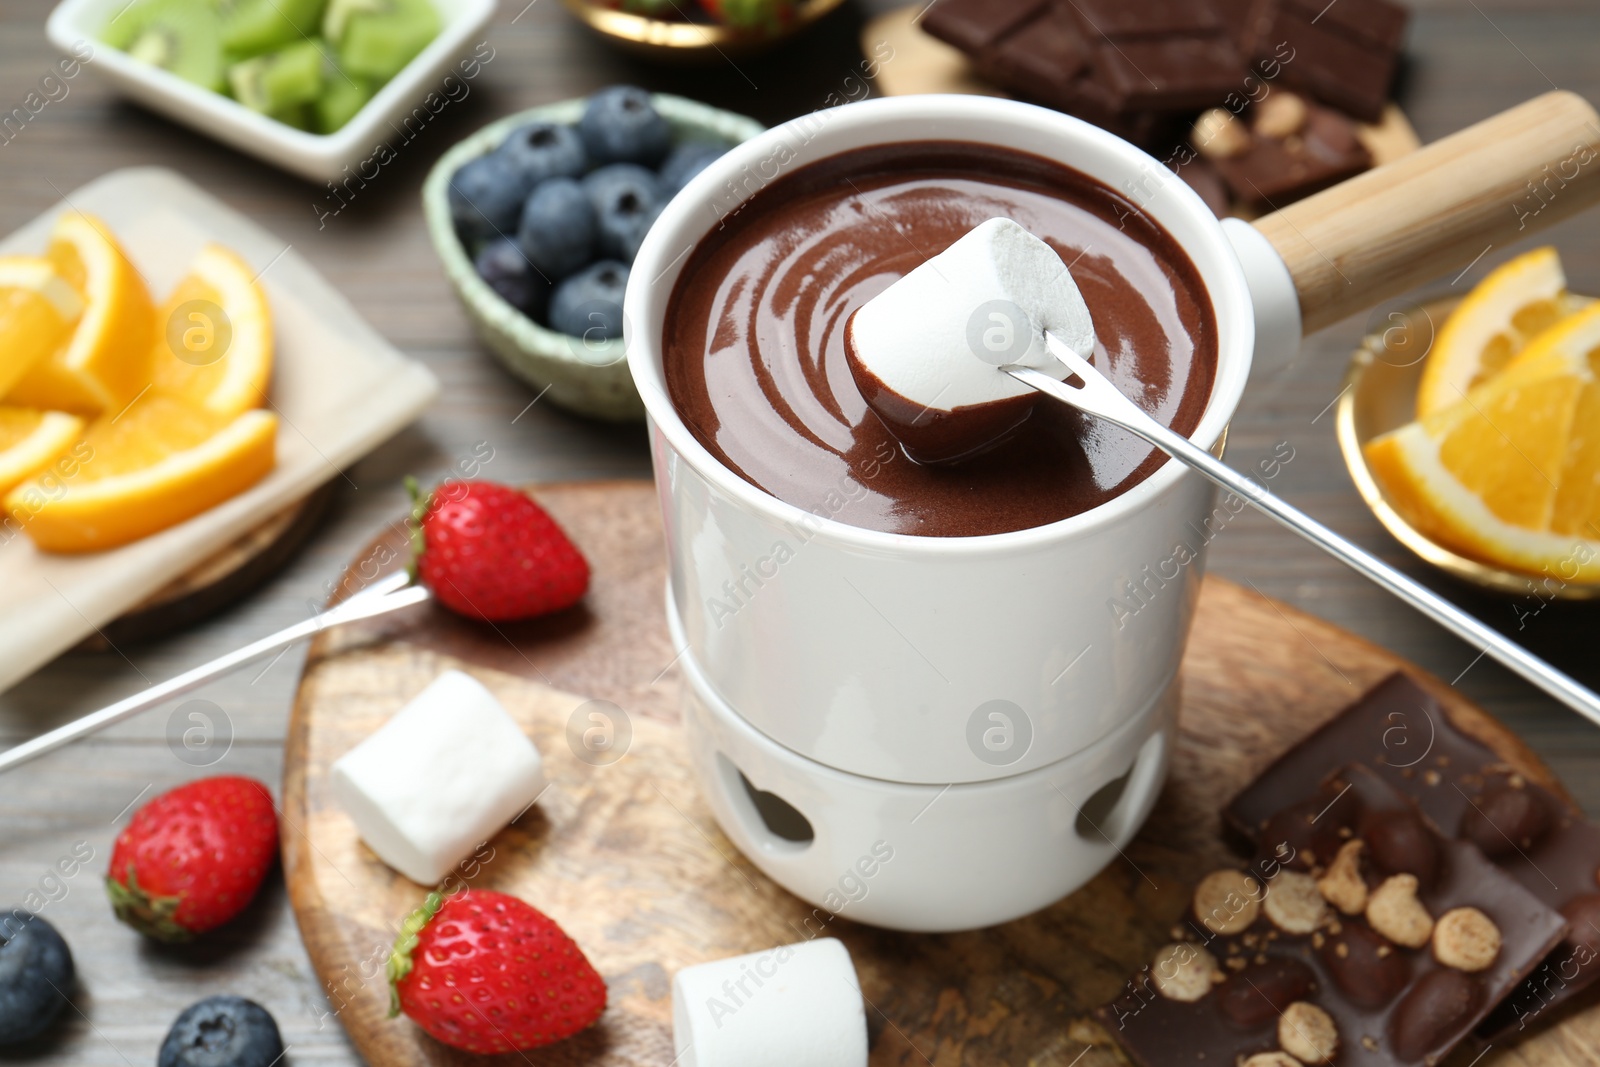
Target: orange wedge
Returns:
[[215, 347], [1517, 301], [157, 463], [31, 440], [38, 308], [106, 362], [1511, 473]]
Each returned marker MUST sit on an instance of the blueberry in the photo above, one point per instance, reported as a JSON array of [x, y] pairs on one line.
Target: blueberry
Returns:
[[508, 272], [684, 162], [35, 975], [621, 125], [635, 237], [589, 304], [486, 196], [622, 195], [542, 150], [558, 228], [222, 1032]]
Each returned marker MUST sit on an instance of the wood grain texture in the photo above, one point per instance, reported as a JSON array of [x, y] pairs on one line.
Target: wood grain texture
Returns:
[[629, 860], [1391, 229]]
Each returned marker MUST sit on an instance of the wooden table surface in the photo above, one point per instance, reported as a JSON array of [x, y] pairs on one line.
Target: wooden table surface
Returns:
[[1468, 59]]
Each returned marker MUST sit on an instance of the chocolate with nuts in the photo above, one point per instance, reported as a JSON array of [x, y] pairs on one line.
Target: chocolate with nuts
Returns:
[[1402, 734], [1387, 947]]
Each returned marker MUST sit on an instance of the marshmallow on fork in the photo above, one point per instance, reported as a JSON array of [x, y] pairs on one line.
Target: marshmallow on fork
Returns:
[[926, 352]]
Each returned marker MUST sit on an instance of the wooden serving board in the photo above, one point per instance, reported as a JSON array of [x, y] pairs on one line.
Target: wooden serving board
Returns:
[[629, 860]]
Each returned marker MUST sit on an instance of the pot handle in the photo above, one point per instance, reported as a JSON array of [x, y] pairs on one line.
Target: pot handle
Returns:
[[1440, 208]]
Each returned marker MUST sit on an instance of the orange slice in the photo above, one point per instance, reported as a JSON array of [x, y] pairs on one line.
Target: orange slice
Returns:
[[1511, 473], [31, 440], [106, 362], [215, 350], [37, 310], [152, 466], [1516, 302]]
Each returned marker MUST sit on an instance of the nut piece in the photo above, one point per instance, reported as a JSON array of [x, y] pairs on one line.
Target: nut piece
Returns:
[[1227, 901], [1184, 971], [1307, 1033], [1280, 114], [1466, 939], [1272, 1059], [1219, 135], [1294, 903], [1342, 884], [1396, 913]]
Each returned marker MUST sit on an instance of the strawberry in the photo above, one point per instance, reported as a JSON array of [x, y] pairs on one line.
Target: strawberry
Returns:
[[488, 551], [192, 858], [488, 973]]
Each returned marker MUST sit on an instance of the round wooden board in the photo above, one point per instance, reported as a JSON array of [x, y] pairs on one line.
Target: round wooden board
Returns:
[[629, 860]]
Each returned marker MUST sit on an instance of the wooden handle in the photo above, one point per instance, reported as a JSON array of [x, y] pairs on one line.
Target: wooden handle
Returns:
[[1439, 209]]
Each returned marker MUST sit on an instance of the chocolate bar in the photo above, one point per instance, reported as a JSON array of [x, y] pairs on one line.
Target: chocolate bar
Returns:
[[1118, 64], [1344, 53], [1284, 148], [1400, 732], [1360, 936]]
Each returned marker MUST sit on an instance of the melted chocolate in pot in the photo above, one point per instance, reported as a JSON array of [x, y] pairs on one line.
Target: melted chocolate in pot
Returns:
[[754, 337]]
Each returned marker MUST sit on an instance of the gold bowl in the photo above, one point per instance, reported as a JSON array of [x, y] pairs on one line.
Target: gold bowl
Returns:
[[1380, 394], [666, 39]]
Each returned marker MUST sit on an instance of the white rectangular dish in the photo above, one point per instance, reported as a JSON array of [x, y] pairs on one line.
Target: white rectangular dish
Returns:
[[338, 387], [318, 157]]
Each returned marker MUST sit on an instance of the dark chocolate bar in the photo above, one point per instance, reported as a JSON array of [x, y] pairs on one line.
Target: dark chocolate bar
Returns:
[[1116, 63], [1399, 974], [1464, 788], [1319, 53]]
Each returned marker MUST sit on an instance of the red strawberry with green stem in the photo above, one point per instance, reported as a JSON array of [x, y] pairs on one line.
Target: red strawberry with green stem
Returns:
[[488, 973], [489, 552], [193, 858]]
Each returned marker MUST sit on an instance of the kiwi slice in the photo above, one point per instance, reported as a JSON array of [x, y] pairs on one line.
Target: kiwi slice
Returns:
[[376, 38], [181, 36], [342, 96], [280, 82], [253, 27]]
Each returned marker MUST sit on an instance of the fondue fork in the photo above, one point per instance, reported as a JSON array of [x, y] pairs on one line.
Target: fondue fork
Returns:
[[1093, 394], [387, 594]]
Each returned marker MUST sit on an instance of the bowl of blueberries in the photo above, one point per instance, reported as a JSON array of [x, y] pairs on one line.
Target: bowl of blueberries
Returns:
[[536, 218]]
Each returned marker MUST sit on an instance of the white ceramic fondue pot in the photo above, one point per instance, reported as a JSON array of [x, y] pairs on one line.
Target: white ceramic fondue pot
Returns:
[[983, 722]]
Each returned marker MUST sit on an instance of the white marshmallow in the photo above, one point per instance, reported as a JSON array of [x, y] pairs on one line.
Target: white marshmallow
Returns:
[[937, 335], [440, 778], [794, 1006]]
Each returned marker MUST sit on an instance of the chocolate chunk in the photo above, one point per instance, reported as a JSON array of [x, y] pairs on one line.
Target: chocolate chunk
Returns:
[[1258, 994], [1365, 966], [1168, 73], [1583, 912], [1148, 18], [1343, 71], [973, 25], [1375, 22], [1274, 171], [1505, 819], [1399, 843], [1403, 735], [1432, 1011]]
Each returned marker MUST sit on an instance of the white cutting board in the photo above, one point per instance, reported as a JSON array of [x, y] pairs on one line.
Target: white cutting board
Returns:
[[338, 387]]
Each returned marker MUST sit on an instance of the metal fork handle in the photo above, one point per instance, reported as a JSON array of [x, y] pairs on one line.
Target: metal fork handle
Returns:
[[390, 594], [1100, 398]]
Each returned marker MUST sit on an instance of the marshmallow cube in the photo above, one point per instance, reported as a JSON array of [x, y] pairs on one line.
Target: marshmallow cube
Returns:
[[938, 335], [440, 778], [793, 1006]]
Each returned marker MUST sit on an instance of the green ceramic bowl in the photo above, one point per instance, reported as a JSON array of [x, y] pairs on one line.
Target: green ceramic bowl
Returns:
[[588, 377]]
